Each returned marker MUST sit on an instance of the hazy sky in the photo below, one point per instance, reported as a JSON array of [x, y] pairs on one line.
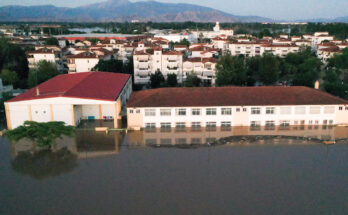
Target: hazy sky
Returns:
[[277, 9]]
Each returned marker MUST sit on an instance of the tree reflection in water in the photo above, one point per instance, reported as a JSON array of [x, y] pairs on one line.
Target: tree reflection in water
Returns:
[[44, 163]]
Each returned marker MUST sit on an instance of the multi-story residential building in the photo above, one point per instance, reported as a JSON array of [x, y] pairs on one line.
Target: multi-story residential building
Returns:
[[147, 62], [44, 54], [325, 53], [249, 49], [234, 106], [204, 68], [279, 49], [203, 51]]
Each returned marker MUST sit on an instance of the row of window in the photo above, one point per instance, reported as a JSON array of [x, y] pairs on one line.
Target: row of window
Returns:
[[228, 111], [183, 124], [167, 141], [194, 111], [295, 122]]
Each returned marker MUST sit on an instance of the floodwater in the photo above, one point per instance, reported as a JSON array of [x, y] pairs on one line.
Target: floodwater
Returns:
[[257, 171]]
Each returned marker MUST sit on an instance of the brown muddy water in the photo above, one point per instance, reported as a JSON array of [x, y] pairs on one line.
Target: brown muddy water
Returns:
[[256, 171]]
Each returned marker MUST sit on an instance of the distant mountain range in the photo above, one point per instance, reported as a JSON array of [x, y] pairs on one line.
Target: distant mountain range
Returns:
[[122, 10], [338, 19]]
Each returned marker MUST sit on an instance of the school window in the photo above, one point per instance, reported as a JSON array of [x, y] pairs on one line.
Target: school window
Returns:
[[165, 112], [314, 110], [211, 124], [330, 122], [196, 111], [180, 141], [270, 123], [255, 110], [165, 125], [181, 112], [310, 122], [270, 110], [196, 124], [255, 123], [316, 122], [180, 125], [150, 112], [225, 124], [211, 111], [284, 123], [300, 110], [238, 110], [226, 111], [150, 125], [244, 110], [137, 111], [131, 111], [346, 108], [324, 122], [340, 108]]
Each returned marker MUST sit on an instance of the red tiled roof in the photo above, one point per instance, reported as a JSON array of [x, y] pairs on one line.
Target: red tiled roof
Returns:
[[87, 85], [203, 60], [42, 51], [83, 55], [231, 96]]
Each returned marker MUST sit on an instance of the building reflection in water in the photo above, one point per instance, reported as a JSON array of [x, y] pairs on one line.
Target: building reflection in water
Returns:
[[63, 155], [208, 135], [90, 144]]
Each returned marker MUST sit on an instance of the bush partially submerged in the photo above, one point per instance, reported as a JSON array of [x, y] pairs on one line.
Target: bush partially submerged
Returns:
[[43, 134]]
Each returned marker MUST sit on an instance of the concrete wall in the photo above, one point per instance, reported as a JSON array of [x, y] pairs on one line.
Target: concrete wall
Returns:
[[243, 117], [55, 109]]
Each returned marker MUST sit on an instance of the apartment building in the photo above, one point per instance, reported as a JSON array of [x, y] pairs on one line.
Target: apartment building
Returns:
[[204, 68], [248, 49], [147, 62], [234, 106], [279, 49]]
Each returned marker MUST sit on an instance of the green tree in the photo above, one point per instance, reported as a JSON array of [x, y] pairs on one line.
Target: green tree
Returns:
[[269, 69], [9, 77], [192, 80], [51, 41], [156, 79], [42, 72], [308, 72], [12, 57], [334, 85], [111, 65], [172, 80], [43, 134], [231, 70]]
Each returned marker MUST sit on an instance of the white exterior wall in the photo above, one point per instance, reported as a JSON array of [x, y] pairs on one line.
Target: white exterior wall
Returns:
[[62, 113], [47, 57], [18, 114], [85, 65], [41, 112], [244, 118], [61, 110]]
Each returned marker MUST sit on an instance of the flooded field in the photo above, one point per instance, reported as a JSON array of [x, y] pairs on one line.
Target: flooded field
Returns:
[[285, 170]]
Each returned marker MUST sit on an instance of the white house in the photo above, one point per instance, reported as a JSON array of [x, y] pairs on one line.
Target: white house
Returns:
[[234, 106], [43, 54], [71, 98]]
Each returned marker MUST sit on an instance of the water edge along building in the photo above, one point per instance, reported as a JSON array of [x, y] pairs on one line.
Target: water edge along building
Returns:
[[234, 106]]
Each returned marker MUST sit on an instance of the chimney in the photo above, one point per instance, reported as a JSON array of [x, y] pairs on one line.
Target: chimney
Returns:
[[316, 85], [37, 91]]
